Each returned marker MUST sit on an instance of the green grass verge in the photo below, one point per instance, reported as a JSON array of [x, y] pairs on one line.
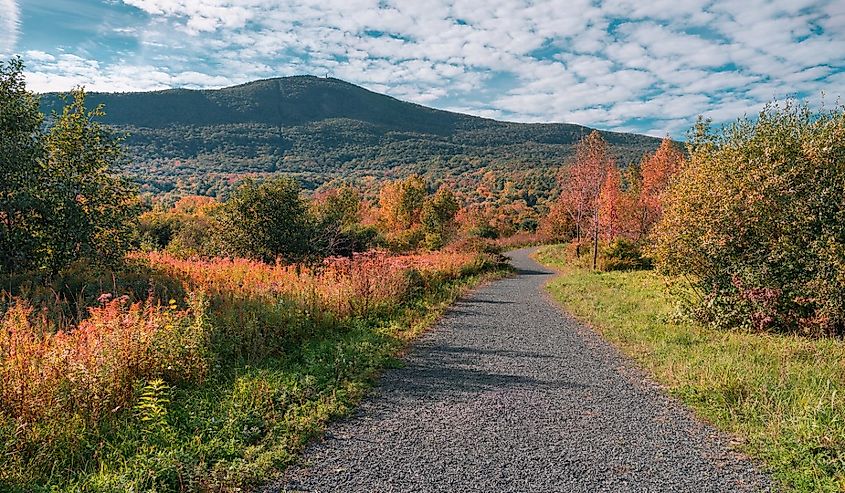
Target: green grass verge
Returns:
[[783, 397], [247, 422]]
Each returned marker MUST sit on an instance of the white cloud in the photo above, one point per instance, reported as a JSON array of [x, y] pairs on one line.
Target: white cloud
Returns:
[[620, 64], [67, 71], [39, 56], [9, 19], [200, 15]]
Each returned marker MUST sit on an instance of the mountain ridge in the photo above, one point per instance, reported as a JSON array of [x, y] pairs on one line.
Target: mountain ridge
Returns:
[[321, 129]]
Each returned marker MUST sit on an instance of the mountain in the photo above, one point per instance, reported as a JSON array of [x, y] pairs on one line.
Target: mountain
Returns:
[[321, 129]]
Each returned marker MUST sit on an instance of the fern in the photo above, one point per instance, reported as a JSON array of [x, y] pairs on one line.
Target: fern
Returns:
[[152, 406]]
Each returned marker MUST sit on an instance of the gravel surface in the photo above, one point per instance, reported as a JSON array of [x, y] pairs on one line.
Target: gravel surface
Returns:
[[508, 393]]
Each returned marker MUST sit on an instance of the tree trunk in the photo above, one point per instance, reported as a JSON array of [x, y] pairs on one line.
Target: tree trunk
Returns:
[[578, 242], [595, 239]]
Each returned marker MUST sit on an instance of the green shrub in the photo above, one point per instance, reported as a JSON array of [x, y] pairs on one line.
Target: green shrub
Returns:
[[265, 221], [485, 231], [406, 240], [61, 193], [622, 254], [755, 222]]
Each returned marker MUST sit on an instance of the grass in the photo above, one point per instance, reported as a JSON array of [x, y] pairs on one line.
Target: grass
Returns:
[[248, 418], [782, 396]]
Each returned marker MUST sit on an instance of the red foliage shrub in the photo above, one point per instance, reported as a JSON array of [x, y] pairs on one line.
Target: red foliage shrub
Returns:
[[92, 369], [53, 370]]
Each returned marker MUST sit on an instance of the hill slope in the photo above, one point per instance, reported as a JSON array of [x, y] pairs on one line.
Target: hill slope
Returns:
[[202, 141]]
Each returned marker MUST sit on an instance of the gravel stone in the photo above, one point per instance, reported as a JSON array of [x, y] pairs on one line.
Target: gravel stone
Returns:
[[509, 393]]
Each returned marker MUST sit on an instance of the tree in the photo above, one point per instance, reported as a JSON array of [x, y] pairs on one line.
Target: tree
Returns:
[[611, 205], [61, 197], [401, 202], [582, 186], [438, 217], [20, 169], [557, 224], [630, 208], [265, 221], [185, 230], [400, 206], [195, 204], [336, 216], [657, 171], [92, 208]]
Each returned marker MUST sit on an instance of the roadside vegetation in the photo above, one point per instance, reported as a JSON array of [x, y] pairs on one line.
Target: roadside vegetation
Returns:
[[781, 395], [742, 316], [217, 394], [749, 223]]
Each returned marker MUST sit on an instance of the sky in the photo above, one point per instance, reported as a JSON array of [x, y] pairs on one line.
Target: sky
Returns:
[[627, 65]]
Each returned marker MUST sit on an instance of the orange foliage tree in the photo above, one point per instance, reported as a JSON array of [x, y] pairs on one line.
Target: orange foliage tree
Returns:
[[195, 204], [582, 186], [657, 171], [611, 205], [401, 201]]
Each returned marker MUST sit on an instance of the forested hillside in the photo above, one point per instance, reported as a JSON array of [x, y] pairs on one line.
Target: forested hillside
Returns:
[[204, 141]]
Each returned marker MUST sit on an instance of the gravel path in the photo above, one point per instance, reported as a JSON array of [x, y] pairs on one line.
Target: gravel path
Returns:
[[508, 393]]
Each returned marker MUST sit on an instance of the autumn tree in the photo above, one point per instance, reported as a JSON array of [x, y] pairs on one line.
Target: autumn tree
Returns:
[[557, 224], [611, 205], [195, 204], [476, 219], [582, 186], [185, 230], [656, 171], [401, 202], [630, 209], [195, 234]]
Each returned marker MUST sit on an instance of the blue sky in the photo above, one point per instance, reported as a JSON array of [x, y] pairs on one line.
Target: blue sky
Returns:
[[628, 65]]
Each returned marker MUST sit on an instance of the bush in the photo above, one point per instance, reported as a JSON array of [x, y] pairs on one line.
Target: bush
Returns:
[[485, 231], [623, 254], [756, 222], [405, 240], [186, 230], [519, 239], [265, 221], [92, 369], [67, 297], [473, 244], [529, 224]]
